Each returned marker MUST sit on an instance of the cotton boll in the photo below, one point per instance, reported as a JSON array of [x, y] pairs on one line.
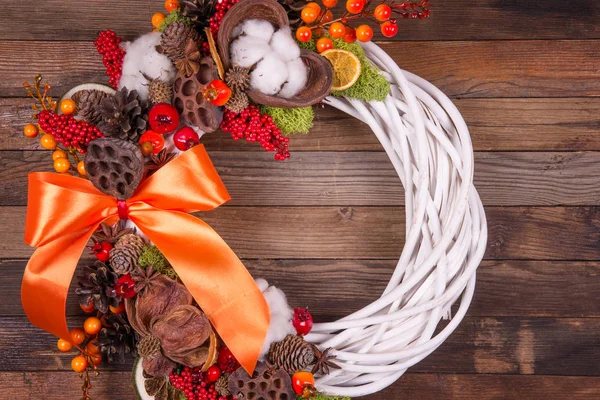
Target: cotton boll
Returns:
[[281, 316], [297, 77], [270, 74], [247, 51], [237, 31], [284, 45], [142, 58], [258, 28]]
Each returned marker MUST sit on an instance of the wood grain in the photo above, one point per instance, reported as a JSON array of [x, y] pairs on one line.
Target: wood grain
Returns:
[[545, 124], [530, 68], [450, 20], [543, 233], [423, 386], [563, 289], [525, 346], [362, 178]]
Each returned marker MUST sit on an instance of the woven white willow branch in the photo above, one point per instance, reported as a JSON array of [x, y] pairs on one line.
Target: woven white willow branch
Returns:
[[429, 146]]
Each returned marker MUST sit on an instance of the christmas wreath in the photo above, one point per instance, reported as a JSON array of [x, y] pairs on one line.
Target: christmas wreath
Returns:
[[131, 167]]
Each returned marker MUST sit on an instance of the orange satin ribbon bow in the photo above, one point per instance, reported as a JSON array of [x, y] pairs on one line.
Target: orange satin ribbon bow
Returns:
[[64, 211]]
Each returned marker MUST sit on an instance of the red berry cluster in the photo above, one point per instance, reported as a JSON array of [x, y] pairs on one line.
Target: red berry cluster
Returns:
[[67, 130], [253, 126], [108, 45], [221, 9], [192, 382]]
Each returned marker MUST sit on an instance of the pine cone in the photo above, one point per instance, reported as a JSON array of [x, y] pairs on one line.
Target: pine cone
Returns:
[[117, 338], [111, 234], [160, 91], [238, 78], [95, 285], [89, 103], [126, 253], [238, 102], [263, 384], [222, 385], [292, 354], [199, 11], [149, 347], [174, 39], [124, 116]]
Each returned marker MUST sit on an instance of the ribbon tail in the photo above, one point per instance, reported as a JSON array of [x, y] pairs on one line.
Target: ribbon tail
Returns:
[[215, 277], [47, 279]]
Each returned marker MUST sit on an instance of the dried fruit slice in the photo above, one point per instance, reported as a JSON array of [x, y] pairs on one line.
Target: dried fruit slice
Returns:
[[346, 68]]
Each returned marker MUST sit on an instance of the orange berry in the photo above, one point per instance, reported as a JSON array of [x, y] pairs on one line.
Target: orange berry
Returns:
[[119, 309], [62, 165], [314, 5], [97, 359], [92, 325], [327, 17], [330, 3], [92, 348], [31, 130], [81, 168], [337, 30], [301, 381], [350, 35], [171, 5], [158, 19], [48, 142], [382, 12], [303, 34], [77, 336], [309, 14], [68, 107], [324, 44], [355, 6], [64, 345], [364, 33], [88, 308], [79, 364], [59, 154]]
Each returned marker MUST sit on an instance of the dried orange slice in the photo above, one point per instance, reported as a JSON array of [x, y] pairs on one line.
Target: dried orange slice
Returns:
[[346, 68]]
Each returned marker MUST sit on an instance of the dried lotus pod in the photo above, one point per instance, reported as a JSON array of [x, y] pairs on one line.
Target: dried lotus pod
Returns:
[[263, 384], [114, 166], [189, 97]]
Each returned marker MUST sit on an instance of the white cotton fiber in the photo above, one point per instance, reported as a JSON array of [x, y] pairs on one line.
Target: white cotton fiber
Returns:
[[270, 74], [284, 45], [297, 77], [142, 58], [258, 28], [247, 51], [281, 316]]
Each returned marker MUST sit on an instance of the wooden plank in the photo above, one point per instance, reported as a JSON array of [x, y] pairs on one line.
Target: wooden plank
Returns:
[[544, 124], [362, 178], [538, 68], [117, 385], [542, 233], [526, 346], [503, 287], [450, 20]]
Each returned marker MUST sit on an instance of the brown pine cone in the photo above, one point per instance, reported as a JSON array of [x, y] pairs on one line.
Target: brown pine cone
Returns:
[[126, 253], [124, 116], [174, 39], [89, 103], [292, 354]]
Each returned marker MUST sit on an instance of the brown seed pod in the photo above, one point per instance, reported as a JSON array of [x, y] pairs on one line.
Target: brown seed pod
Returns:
[[114, 166], [189, 97]]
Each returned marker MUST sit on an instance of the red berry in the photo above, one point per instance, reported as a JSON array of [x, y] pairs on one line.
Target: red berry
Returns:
[[301, 381], [125, 287], [227, 361], [186, 138], [389, 29], [217, 92], [302, 321], [108, 46], [101, 250], [213, 373], [163, 118], [157, 141]]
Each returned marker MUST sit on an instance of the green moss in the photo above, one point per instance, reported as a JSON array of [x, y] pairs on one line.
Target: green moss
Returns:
[[173, 17], [321, 396], [291, 120], [151, 255], [371, 85]]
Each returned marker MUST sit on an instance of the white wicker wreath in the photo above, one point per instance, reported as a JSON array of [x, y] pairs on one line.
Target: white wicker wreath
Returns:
[[429, 145]]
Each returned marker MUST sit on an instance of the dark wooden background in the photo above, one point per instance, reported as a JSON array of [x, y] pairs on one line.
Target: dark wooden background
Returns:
[[327, 226]]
